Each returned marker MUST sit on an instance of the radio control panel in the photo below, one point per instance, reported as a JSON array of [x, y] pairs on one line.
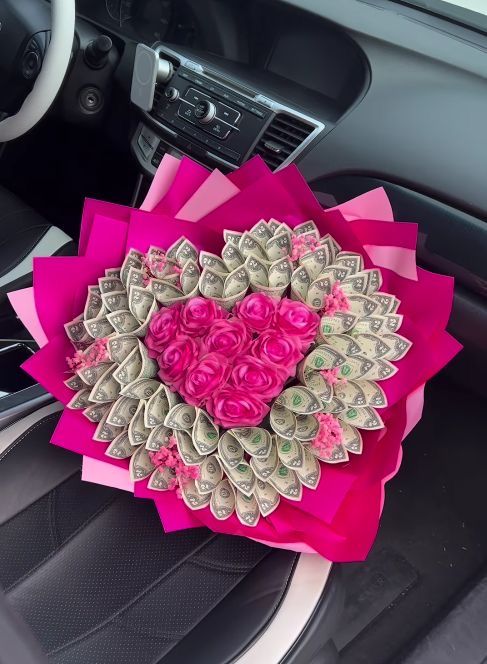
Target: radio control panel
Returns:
[[213, 116], [205, 116]]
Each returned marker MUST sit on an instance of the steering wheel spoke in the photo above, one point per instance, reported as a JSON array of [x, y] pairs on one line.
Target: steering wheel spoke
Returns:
[[35, 50]]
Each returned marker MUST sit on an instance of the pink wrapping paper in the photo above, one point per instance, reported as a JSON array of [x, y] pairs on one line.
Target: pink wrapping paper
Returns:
[[24, 305], [162, 182], [340, 519]]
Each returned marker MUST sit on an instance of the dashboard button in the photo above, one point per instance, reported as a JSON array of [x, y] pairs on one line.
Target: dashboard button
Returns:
[[194, 96], [219, 129], [257, 112], [230, 153], [144, 146], [228, 114], [186, 111], [156, 160], [241, 103]]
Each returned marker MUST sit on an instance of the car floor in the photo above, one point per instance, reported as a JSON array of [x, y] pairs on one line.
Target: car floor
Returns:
[[432, 540]]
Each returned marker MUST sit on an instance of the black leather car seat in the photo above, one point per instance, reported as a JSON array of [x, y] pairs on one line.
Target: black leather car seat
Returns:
[[24, 235], [95, 578]]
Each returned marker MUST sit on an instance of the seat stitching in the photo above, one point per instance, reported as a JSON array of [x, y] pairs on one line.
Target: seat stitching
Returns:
[[214, 566], [27, 433], [51, 503], [50, 555], [133, 601], [4, 242], [29, 249]]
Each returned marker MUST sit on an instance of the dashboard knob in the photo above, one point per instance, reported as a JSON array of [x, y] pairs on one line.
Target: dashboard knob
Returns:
[[205, 111], [165, 70], [97, 52], [171, 94]]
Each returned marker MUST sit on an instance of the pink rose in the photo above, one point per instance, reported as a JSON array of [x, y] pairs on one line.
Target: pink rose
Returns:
[[260, 379], [204, 377], [257, 310], [278, 349], [163, 327], [236, 408], [198, 314], [175, 359], [296, 319], [230, 337]]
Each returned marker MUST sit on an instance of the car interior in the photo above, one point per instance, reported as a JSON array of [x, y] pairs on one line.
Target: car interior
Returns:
[[358, 94]]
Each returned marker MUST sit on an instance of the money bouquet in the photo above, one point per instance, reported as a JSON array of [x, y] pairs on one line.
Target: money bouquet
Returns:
[[242, 357]]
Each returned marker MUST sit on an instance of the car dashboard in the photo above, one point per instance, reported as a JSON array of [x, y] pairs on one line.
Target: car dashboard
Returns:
[[275, 85]]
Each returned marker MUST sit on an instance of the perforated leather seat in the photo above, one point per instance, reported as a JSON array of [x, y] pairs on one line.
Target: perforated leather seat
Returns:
[[97, 580]]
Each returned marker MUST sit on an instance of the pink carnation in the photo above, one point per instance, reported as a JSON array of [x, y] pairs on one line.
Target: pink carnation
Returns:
[[169, 457], [261, 379], [336, 301], [330, 434], [199, 314], [257, 310], [296, 319], [163, 327], [231, 407], [204, 377], [228, 336]]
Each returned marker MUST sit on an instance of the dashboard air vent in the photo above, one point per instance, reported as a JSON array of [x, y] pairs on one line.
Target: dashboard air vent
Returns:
[[284, 135]]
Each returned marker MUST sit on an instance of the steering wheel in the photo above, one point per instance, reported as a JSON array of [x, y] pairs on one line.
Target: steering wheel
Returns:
[[28, 56]]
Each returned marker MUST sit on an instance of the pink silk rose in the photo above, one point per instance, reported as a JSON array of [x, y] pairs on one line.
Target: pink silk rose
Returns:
[[175, 360], [230, 337], [164, 327], [278, 349], [261, 379], [257, 310], [199, 314], [297, 319], [204, 377], [236, 408]]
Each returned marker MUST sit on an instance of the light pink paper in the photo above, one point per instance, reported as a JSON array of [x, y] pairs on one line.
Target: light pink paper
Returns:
[[161, 183], [299, 547], [100, 472], [373, 204], [24, 305], [215, 190], [399, 260]]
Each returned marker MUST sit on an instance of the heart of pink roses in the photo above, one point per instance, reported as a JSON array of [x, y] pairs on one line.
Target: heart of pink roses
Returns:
[[231, 363]]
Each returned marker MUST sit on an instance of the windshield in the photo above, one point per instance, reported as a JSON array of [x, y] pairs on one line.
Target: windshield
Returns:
[[479, 6], [468, 12]]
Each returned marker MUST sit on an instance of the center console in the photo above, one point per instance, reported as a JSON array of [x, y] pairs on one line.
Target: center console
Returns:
[[216, 120]]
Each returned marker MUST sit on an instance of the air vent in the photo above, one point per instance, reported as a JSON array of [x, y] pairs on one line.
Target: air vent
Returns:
[[282, 138]]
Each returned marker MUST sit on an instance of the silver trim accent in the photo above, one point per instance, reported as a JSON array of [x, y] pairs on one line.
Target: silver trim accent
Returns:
[[303, 594], [271, 104]]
